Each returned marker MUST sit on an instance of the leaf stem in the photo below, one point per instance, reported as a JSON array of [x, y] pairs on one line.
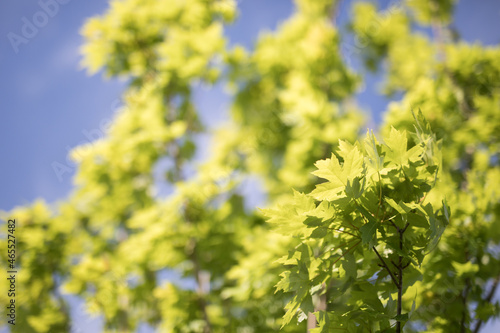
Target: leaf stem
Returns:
[[380, 192], [344, 232], [346, 252], [335, 248]]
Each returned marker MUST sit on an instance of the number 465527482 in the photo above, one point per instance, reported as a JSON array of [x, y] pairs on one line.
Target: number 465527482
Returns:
[[11, 243]]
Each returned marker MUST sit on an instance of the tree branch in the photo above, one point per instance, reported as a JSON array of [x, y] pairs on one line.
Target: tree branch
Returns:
[[386, 267], [200, 291], [400, 282], [346, 252], [488, 299]]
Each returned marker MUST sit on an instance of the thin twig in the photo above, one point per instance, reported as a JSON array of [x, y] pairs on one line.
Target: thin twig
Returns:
[[344, 232], [335, 248], [352, 225], [380, 192], [394, 225], [346, 252], [386, 267]]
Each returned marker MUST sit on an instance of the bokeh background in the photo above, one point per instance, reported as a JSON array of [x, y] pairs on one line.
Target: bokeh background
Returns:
[[49, 104]]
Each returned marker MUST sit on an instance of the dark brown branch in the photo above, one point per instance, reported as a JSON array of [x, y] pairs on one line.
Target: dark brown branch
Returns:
[[394, 225], [488, 299], [386, 267], [400, 282]]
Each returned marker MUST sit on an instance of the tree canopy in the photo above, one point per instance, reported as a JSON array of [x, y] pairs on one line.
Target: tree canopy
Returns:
[[360, 232]]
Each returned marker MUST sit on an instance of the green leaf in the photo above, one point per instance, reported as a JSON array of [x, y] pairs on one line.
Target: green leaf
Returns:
[[368, 232], [355, 188], [400, 209], [319, 232], [313, 221], [371, 146], [328, 191], [349, 265], [302, 300], [323, 322], [422, 126], [288, 219], [397, 144], [417, 220], [331, 170], [402, 317], [465, 269], [446, 211], [365, 213], [391, 305]]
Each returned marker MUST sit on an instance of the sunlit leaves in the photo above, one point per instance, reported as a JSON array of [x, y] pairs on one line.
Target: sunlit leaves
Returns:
[[455, 86], [401, 231], [370, 208]]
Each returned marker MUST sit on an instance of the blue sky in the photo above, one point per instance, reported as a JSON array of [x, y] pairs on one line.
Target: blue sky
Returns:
[[50, 105]]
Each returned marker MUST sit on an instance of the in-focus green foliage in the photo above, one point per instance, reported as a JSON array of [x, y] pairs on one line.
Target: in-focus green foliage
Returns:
[[362, 239], [364, 233], [456, 85]]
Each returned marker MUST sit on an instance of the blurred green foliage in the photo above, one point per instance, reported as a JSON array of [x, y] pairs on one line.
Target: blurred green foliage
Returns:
[[293, 108]]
